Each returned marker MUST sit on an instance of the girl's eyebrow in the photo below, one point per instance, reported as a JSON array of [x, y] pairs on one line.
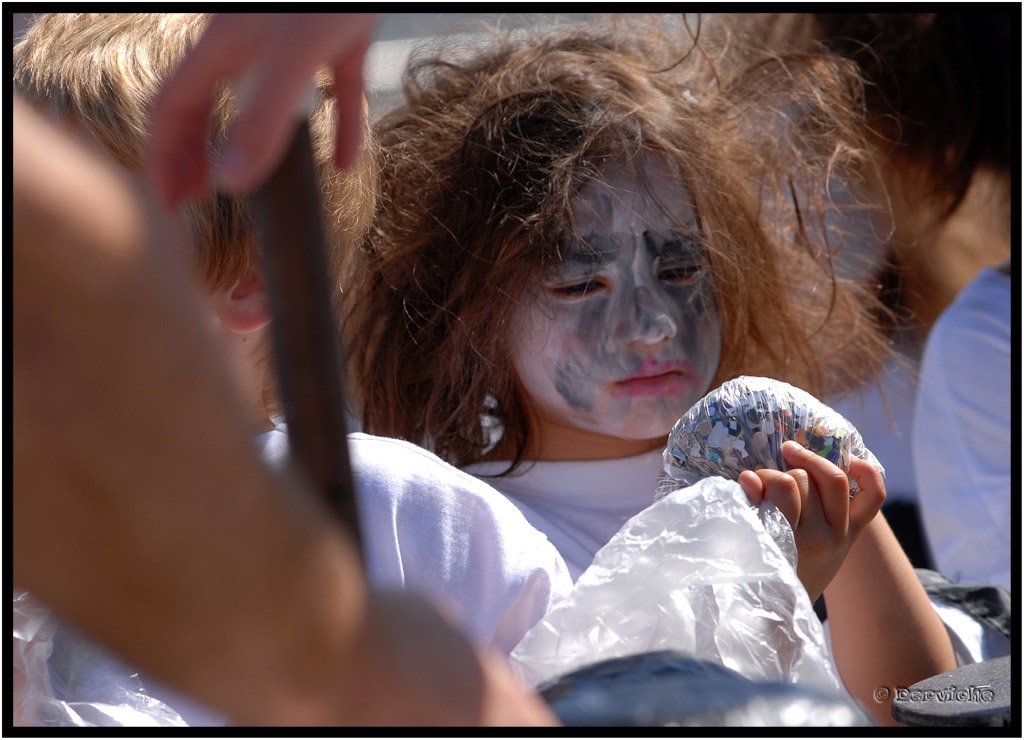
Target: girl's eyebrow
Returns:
[[591, 251], [674, 244]]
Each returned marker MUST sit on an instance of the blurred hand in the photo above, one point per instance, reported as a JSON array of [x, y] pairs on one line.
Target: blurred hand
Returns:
[[274, 56], [143, 513], [415, 660], [814, 496]]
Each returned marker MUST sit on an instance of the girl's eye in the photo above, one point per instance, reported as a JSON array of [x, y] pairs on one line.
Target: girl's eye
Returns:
[[679, 275], [577, 290]]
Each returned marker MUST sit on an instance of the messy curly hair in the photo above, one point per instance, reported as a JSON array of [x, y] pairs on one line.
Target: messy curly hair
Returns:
[[481, 163]]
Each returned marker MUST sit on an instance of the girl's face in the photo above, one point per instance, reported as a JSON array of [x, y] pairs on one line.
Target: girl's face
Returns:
[[625, 336]]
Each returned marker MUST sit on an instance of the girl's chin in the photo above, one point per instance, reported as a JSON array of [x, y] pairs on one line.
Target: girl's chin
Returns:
[[653, 422], [652, 433]]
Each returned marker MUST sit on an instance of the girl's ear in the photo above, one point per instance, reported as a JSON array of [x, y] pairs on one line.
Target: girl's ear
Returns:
[[244, 307]]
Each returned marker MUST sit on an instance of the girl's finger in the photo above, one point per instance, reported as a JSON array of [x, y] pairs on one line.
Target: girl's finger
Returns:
[[869, 499], [752, 487], [831, 483], [786, 491]]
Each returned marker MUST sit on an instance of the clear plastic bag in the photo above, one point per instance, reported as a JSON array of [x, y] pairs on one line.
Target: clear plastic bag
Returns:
[[62, 679], [698, 572], [742, 424]]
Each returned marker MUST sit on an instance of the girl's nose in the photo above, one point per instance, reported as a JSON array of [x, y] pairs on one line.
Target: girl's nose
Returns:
[[645, 318]]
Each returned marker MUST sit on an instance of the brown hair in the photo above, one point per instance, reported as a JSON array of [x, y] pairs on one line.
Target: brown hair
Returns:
[[101, 72], [480, 165], [942, 109], [941, 92]]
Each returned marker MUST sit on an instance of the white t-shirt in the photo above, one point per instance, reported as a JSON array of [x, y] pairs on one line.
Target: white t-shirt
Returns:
[[449, 537], [962, 433], [578, 505]]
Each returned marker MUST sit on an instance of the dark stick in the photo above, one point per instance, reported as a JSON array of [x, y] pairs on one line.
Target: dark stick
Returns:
[[306, 340]]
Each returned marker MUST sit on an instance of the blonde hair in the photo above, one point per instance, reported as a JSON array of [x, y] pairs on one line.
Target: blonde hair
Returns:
[[101, 72]]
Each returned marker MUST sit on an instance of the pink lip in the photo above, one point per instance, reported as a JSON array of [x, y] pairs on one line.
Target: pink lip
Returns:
[[655, 378]]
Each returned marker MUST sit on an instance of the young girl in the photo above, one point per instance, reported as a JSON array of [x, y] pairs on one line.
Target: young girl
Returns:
[[570, 250]]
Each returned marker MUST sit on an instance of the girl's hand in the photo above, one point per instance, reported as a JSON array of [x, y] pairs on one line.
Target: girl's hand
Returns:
[[814, 496]]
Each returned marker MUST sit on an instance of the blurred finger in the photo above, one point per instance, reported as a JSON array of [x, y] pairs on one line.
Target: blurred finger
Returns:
[[280, 94], [181, 112], [276, 100], [350, 104]]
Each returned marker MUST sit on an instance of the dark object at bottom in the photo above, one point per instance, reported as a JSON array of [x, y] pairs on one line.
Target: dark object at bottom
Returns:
[[672, 689], [975, 695]]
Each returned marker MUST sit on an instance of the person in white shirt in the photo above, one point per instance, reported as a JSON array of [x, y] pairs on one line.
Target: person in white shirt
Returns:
[[963, 428]]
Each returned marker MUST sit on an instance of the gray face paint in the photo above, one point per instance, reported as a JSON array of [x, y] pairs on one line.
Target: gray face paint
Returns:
[[625, 336]]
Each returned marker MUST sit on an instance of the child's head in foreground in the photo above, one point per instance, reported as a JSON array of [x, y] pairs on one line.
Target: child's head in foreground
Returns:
[[99, 73], [570, 244]]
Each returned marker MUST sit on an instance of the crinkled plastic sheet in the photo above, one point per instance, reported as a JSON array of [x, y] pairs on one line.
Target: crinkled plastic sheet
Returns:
[[61, 679], [696, 572], [742, 424]]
